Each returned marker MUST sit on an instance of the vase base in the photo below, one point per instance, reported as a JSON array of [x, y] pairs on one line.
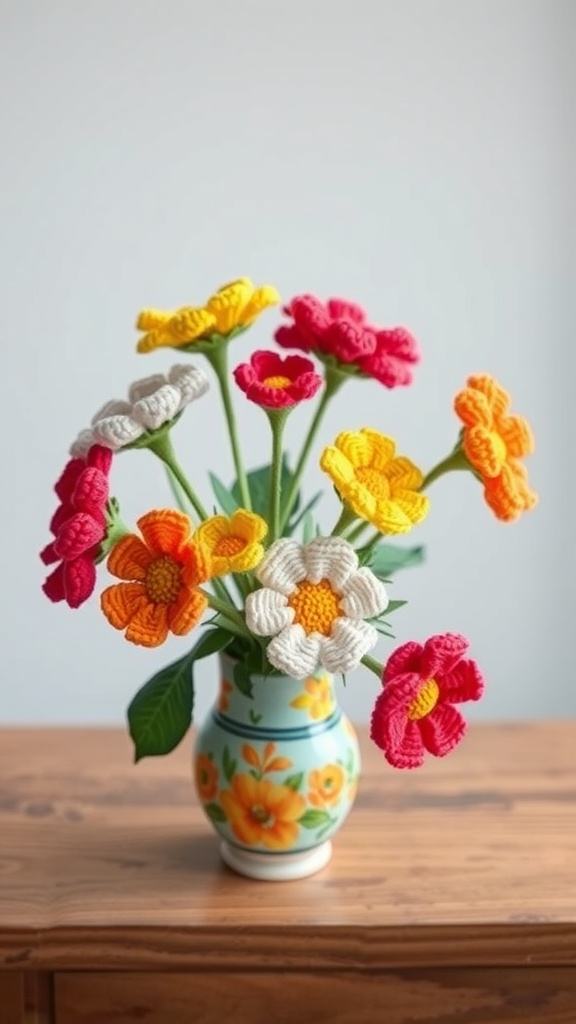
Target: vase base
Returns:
[[276, 867]]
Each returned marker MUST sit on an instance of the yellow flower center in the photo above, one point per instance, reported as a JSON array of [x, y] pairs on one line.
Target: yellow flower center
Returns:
[[425, 702], [499, 446], [277, 382], [316, 606], [261, 814], [163, 579], [229, 546], [374, 481]]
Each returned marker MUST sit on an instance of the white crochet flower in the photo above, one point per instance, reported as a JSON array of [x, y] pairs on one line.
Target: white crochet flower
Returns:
[[152, 402], [313, 602]]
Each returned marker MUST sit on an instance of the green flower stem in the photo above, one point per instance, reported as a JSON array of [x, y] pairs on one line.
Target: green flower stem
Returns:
[[162, 447], [455, 461], [218, 358], [366, 550], [334, 380], [356, 532], [373, 665], [227, 609], [347, 517], [277, 419]]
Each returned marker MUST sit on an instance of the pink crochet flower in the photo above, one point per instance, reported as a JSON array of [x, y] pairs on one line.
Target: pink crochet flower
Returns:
[[415, 712], [276, 383], [78, 526], [340, 329]]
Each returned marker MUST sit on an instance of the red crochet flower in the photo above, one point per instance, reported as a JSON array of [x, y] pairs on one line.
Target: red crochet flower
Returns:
[[78, 525], [415, 712], [276, 383], [340, 329]]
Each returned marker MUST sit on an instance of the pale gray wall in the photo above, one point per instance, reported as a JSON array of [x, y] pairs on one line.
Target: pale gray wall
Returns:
[[415, 156]]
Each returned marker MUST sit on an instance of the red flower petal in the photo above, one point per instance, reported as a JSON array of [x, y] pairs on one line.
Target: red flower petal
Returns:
[[442, 729], [464, 682], [79, 580], [53, 585], [67, 480], [77, 535], [397, 736], [49, 554], [342, 309], [441, 653], [349, 342], [91, 493], [405, 658], [61, 515], [100, 458], [288, 336]]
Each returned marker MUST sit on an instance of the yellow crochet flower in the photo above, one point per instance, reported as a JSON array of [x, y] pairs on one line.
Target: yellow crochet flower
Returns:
[[233, 307], [377, 485], [232, 544]]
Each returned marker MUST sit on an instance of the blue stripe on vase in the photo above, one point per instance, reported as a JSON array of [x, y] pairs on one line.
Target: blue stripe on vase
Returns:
[[301, 732]]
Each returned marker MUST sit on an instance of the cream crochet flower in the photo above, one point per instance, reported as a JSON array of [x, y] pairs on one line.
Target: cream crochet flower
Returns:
[[313, 602], [152, 402]]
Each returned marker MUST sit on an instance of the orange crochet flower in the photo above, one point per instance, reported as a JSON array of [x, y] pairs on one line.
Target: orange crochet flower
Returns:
[[206, 777], [493, 443], [261, 813], [162, 572]]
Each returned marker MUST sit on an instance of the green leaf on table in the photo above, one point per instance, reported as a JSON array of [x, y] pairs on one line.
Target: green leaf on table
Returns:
[[228, 765], [259, 484], [223, 496], [314, 819], [215, 812], [386, 559]]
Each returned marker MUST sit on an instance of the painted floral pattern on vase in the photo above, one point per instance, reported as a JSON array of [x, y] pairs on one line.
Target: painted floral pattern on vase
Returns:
[[276, 763]]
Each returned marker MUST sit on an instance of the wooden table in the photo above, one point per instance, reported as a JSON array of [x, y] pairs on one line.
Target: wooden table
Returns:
[[451, 898]]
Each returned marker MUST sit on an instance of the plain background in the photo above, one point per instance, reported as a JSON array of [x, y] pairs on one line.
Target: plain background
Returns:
[[417, 157]]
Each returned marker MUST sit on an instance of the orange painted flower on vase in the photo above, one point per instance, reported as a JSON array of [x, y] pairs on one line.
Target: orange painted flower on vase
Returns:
[[494, 442], [161, 573], [226, 689], [266, 762], [206, 777], [318, 700], [261, 813], [326, 785]]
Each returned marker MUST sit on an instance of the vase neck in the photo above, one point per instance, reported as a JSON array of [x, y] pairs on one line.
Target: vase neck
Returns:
[[274, 701]]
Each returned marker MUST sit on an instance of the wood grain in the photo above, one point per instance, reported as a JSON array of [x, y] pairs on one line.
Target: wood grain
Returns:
[[11, 998], [470, 861], [501, 996]]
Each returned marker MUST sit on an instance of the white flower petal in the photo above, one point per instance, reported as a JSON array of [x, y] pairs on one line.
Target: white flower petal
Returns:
[[267, 612], [191, 382], [330, 558], [363, 595], [294, 653], [158, 408], [116, 407], [282, 567], [80, 447], [348, 642], [116, 431], [145, 387]]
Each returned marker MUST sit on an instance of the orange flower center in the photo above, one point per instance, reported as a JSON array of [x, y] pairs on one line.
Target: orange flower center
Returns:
[[229, 546], [499, 446], [316, 606], [425, 701], [163, 580], [277, 382], [375, 481], [261, 814]]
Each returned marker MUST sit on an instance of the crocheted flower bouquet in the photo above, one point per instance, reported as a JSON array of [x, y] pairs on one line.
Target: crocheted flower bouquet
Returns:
[[267, 586]]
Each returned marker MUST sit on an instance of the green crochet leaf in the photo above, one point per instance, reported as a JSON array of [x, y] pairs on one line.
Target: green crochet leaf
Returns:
[[387, 559]]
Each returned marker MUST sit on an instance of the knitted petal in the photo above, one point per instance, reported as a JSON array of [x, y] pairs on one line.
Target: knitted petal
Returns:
[[363, 595], [497, 397], [68, 479], [342, 309], [91, 492], [187, 611], [509, 494], [517, 436], [129, 559], [99, 458], [77, 535], [396, 735], [348, 341], [148, 626], [121, 601], [288, 336], [382, 449], [294, 653], [152, 319], [415, 506], [160, 407], [260, 299], [442, 729], [53, 585], [49, 555], [248, 525], [442, 653], [190, 381], [405, 659], [403, 475], [188, 324], [348, 642], [337, 465], [267, 612], [473, 409], [462, 683], [283, 566], [80, 447], [485, 451], [330, 558], [114, 407], [79, 580], [145, 387], [392, 516], [116, 432], [165, 530]]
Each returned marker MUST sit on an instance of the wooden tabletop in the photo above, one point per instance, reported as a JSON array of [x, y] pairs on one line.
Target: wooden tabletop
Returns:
[[470, 860]]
